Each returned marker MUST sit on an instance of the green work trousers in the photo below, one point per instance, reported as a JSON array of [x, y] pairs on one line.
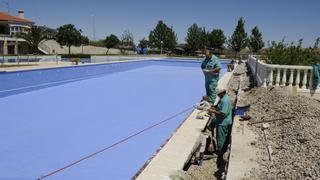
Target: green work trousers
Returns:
[[222, 133], [211, 87]]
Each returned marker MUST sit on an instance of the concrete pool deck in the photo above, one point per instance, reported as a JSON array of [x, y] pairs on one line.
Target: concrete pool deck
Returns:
[[178, 150], [242, 153]]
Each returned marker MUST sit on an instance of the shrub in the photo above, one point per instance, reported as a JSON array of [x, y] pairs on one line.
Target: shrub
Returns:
[[291, 54], [81, 56]]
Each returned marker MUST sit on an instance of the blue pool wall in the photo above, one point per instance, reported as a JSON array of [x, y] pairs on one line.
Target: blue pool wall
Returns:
[[29, 80]]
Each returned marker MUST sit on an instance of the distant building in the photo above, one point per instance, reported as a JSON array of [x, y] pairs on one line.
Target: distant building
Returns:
[[9, 26]]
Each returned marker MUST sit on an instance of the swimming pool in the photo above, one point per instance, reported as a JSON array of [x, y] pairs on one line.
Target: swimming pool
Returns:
[[52, 117]]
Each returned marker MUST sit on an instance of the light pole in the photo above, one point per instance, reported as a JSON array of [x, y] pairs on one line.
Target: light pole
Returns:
[[161, 48], [93, 27]]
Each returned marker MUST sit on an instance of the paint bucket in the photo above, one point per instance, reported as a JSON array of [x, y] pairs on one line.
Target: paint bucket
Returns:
[[241, 111]]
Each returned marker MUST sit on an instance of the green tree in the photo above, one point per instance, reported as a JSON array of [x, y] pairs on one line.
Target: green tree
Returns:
[[256, 41], [164, 36], [217, 39], [127, 41], [68, 35], [34, 37], [143, 43], [111, 41], [197, 38], [85, 40], [317, 43], [291, 54], [238, 40]]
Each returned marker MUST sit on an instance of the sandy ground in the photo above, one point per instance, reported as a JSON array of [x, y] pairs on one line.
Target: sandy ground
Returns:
[[207, 171]]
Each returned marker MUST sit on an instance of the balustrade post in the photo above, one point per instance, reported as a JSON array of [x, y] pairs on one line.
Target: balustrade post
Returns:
[[278, 77], [284, 78], [291, 77], [270, 76], [264, 83], [304, 81], [298, 79]]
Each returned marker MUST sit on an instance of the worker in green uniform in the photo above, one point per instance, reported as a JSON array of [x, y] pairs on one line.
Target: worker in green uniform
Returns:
[[211, 68], [223, 122], [316, 75]]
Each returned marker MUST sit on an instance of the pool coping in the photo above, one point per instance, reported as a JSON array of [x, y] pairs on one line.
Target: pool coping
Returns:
[[178, 149], [79, 65]]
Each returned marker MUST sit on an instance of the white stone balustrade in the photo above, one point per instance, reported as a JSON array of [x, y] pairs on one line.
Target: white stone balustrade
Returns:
[[282, 75], [299, 79]]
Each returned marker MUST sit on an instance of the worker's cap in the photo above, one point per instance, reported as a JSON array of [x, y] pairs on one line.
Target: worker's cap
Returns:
[[220, 91]]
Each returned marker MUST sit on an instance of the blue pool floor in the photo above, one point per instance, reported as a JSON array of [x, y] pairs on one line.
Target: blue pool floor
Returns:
[[45, 129]]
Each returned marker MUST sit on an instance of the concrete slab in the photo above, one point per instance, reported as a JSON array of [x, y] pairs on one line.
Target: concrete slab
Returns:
[[242, 155]]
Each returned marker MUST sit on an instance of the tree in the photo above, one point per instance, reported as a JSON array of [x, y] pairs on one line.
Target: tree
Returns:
[[238, 40], [68, 35], [143, 43], [197, 38], [163, 36], [317, 43], [34, 37], [217, 39], [127, 41], [111, 41], [256, 41], [85, 40]]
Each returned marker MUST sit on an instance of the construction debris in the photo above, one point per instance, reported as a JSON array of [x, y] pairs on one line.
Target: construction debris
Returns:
[[295, 143]]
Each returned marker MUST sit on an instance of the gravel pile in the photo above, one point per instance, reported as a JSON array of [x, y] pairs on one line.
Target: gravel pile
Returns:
[[204, 172], [240, 69], [295, 142], [241, 79]]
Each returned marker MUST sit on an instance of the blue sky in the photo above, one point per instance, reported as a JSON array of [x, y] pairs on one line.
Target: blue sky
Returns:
[[292, 19]]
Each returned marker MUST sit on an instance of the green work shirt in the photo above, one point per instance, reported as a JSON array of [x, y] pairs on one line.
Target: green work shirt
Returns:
[[224, 106], [316, 75], [211, 64]]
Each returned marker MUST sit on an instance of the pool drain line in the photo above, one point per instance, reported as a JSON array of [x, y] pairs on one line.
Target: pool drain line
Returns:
[[115, 144]]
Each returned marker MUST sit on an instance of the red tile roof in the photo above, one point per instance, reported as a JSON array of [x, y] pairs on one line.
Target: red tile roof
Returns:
[[9, 18]]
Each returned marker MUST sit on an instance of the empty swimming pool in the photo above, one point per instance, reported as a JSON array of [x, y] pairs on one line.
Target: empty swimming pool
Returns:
[[53, 117]]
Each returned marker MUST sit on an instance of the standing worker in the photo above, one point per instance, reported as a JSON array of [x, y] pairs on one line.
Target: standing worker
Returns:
[[223, 122], [211, 68]]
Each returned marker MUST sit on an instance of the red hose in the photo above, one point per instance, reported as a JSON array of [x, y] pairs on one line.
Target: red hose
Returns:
[[113, 145]]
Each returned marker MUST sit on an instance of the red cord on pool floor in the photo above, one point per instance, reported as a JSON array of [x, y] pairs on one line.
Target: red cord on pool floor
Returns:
[[115, 144]]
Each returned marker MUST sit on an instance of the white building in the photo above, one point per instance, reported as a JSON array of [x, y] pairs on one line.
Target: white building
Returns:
[[9, 26]]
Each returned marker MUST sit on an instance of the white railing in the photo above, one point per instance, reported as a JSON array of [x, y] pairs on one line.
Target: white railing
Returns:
[[282, 75]]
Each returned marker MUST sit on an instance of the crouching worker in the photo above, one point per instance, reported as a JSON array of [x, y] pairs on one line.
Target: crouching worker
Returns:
[[223, 122]]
